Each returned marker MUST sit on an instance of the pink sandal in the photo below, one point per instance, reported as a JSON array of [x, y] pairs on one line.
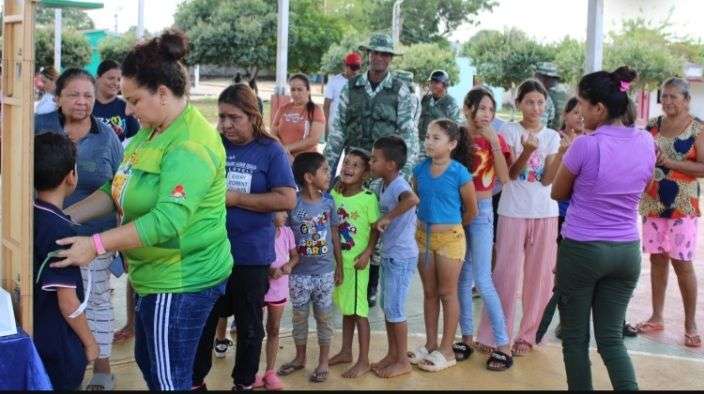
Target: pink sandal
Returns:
[[272, 381]]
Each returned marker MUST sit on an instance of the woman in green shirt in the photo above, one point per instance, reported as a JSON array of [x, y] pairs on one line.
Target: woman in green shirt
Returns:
[[169, 192]]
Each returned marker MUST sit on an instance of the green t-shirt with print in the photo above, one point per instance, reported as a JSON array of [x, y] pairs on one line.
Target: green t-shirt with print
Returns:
[[356, 213], [172, 187]]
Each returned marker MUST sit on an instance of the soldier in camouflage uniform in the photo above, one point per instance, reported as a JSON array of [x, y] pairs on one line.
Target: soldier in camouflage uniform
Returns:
[[374, 104], [435, 105], [407, 77], [548, 75]]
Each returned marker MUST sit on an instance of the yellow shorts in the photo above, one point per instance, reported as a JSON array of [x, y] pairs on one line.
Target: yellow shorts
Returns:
[[449, 243]]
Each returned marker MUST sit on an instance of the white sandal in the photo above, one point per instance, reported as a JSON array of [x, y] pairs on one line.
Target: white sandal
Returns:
[[417, 355], [438, 362]]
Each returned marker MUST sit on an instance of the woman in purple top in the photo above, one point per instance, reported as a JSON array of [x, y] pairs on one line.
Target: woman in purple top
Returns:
[[598, 261]]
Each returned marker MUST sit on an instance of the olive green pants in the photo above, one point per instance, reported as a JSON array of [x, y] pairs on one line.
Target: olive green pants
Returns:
[[596, 277]]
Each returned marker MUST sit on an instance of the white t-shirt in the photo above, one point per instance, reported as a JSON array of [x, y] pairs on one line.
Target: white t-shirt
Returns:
[[332, 92], [526, 197]]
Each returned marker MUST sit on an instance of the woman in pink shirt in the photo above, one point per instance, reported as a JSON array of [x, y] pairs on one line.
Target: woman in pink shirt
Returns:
[[598, 261], [300, 123]]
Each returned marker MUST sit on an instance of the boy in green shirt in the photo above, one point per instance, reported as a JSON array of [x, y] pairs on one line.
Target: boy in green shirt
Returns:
[[358, 210]]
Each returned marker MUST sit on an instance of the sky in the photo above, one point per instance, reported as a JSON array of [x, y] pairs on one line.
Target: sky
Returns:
[[548, 20]]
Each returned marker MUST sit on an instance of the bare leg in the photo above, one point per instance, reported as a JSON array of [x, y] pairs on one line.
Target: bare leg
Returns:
[[221, 329], [431, 302], [448, 272], [127, 331], [390, 356], [401, 364], [362, 365], [687, 280], [345, 354], [273, 323], [659, 269]]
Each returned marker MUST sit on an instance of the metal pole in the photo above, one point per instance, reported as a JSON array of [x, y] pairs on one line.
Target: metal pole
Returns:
[[140, 20], [595, 36], [196, 74], [396, 22], [281, 48], [57, 39]]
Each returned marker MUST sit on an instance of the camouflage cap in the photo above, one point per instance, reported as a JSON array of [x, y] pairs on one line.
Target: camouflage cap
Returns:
[[548, 69], [380, 42]]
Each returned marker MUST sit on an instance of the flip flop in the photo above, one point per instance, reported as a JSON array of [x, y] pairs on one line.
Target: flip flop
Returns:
[[106, 382], [319, 376], [437, 361], [417, 355], [288, 369], [649, 326], [692, 340]]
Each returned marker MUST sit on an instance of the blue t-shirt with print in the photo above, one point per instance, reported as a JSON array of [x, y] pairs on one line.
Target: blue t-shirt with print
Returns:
[[60, 349], [440, 199], [311, 224], [256, 167], [398, 241], [113, 115], [99, 154]]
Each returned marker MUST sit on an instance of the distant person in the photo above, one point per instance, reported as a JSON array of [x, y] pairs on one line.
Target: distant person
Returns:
[[352, 64], [300, 123], [46, 77], [109, 107], [436, 104], [61, 333]]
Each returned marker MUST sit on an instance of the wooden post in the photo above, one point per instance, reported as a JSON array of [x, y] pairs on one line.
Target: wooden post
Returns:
[[17, 160]]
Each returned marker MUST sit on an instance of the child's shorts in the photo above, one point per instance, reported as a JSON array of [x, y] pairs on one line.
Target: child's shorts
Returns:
[[675, 237], [311, 289], [351, 296], [449, 243], [396, 276]]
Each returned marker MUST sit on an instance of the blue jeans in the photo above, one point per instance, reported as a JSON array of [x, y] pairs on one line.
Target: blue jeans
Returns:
[[168, 328], [477, 268], [396, 276]]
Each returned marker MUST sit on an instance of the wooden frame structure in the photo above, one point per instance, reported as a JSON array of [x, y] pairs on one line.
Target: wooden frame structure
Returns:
[[16, 162]]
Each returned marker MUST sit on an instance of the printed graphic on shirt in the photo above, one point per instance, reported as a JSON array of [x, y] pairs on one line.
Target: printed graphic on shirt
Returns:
[[346, 228], [117, 123], [314, 230], [179, 193], [119, 181], [239, 175], [535, 168]]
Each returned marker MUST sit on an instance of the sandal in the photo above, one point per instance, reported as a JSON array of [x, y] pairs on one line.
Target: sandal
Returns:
[[417, 355], [271, 381], [462, 351], [521, 343], [101, 382], [436, 362], [500, 357], [319, 376], [288, 369], [482, 348], [647, 327], [629, 330], [692, 340]]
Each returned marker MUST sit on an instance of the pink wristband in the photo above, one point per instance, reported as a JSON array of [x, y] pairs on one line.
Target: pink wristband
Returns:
[[98, 244]]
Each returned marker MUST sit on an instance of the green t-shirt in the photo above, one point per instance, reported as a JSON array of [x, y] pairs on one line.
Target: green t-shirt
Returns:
[[356, 213], [172, 188]]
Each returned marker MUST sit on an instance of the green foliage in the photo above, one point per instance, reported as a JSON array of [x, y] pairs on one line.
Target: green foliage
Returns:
[[331, 62], [424, 20], [422, 59], [505, 58], [310, 35], [70, 17], [570, 60], [117, 47], [75, 49]]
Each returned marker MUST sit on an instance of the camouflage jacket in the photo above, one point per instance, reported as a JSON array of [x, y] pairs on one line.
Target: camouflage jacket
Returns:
[[549, 115], [558, 95], [364, 115]]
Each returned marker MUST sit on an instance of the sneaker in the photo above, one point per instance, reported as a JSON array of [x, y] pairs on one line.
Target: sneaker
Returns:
[[240, 387], [221, 347]]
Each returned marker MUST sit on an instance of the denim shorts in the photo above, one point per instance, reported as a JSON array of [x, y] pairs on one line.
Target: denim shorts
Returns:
[[396, 275]]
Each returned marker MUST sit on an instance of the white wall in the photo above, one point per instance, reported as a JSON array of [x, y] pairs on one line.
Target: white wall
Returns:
[[696, 107]]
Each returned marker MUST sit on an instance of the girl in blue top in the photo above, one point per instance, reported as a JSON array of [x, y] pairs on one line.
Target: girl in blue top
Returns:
[[447, 203]]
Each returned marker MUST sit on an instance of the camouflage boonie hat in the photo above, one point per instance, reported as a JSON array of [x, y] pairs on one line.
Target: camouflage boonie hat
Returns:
[[547, 69], [380, 42]]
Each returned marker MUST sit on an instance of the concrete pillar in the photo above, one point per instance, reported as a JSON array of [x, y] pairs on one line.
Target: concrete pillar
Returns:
[[57, 40], [595, 36], [140, 19], [279, 97]]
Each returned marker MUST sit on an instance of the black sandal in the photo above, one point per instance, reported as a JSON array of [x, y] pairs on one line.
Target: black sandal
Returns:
[[502, 358], [629, 330], [462, 351]]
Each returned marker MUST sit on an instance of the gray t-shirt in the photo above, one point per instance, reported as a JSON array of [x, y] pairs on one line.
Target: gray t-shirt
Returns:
[[398, 241], [311, 224]]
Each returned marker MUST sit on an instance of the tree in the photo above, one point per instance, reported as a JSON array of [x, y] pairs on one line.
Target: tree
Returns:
[[331, 61], [425, 20], [311, 34], [505, 58], [116, 47], [75, 49], [570, 60], [70, 18], [421, 59]]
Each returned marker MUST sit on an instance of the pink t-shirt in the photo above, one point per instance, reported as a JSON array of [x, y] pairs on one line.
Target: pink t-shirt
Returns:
[[611, 167], [294, 124], [278, 288]]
